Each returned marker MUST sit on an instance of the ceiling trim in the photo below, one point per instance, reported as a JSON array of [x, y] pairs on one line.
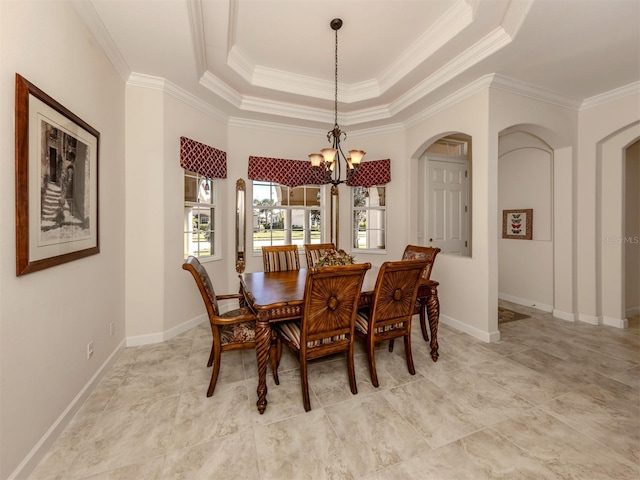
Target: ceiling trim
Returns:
[[523, 89], [92, 20], [196, 23], [299, 84], [631, 89], [164, 85], [452, 23]]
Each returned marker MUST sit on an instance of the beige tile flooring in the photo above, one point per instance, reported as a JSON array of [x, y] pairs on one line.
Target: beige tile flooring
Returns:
[[551, 400]]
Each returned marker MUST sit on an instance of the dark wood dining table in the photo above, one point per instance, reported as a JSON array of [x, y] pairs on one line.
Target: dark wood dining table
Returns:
[[278, 296]]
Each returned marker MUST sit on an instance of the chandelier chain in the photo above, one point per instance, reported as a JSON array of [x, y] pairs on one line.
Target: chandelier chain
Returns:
[[336, 80]]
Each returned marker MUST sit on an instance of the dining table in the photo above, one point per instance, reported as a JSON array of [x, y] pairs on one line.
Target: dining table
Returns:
[[279, 296]]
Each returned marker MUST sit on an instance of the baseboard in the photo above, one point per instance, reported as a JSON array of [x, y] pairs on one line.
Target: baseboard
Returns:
[[487, 337], [570, 317], [37, 453], [632, 311], [526, 302], [160, 337], [591, 319], [615, 322]]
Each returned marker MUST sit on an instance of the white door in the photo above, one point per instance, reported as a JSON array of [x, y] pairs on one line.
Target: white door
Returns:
[[447, 206]]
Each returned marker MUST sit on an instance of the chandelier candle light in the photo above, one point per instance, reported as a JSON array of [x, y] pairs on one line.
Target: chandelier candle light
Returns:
[[329, 158]]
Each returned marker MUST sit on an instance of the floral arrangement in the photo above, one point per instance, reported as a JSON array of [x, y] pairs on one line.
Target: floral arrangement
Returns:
[[335, 257]]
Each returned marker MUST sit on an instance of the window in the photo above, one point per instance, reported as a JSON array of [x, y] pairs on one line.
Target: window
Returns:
[[199, 215], [369, 220], [285, 215]]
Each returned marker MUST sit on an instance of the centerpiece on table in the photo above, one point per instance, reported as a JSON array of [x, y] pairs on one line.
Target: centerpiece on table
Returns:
[[333, 257]]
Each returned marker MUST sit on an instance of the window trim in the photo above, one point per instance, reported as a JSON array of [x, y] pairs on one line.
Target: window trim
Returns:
[[215, 228], [322, 189], [381, 208]]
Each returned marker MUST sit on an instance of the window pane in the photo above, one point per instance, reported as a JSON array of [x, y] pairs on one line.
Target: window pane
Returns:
[[205, 190], [281, 215], [199, 231], [190, 187], [369, 218]]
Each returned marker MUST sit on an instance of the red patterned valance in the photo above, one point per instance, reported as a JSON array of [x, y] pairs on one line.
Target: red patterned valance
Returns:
[[203, 159], [292, 173], [375, 172]]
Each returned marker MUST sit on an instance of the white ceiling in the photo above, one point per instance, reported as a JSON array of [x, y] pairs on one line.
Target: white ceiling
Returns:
[[273, 60]]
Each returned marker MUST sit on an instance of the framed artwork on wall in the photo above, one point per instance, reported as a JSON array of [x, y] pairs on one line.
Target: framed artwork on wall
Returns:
[[56, 182], [517, 224]]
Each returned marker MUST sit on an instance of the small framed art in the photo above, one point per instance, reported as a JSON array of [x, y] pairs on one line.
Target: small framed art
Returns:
[[517, 224]]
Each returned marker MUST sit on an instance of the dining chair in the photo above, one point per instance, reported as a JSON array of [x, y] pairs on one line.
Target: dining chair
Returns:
[[280, 258], [331, 297], [389, 314], [231, 330], [313, 252], [417, 252]]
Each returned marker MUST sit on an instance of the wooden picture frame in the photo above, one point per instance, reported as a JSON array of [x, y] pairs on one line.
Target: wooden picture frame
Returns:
[[57, 157], [517, 224]]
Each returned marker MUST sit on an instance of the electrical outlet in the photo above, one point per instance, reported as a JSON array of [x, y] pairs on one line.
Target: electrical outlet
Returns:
[[112, 328], [89, 350]]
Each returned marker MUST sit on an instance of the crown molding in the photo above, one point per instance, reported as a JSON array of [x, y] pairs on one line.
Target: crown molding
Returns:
[[221, 89], [196, 23], [452, 23], [161, 84], [625, 91], [491, 43], [289, 110], [92, 20], [524, 89], [274, 127], [466, 91]]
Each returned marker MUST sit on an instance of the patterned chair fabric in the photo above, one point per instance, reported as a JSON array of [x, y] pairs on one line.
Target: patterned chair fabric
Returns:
[[416, 252], [231, 330], [280, 258], [327, 324], [389, 315], [313, 251]]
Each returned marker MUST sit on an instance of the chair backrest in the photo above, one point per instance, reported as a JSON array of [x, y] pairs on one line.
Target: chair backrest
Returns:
[[331, 297], [417, 252], [394, 296], [313, 251], [205, 286], [280, 258]]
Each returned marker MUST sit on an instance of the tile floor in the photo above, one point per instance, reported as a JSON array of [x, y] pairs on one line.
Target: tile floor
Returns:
[[551, 400]]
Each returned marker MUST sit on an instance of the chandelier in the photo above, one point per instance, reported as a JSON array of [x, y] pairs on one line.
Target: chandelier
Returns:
[[329, 158]]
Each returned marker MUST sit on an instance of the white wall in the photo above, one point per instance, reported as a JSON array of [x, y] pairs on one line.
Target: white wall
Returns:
[[596, 123], [468, 285], [632, 230], [525, 180], [48, 317], [161, 298], [557, 127]]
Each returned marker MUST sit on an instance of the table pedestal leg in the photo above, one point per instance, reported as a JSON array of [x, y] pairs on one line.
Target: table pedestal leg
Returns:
[[433, 312], [263, 343]]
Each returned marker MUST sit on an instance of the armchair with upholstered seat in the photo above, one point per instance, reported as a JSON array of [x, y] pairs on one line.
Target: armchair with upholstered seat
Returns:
[[389, 314], [327, 324], [313, 252], [277, 258], [231, 330]]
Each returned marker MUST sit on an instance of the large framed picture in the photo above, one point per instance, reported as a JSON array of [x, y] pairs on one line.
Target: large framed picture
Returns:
[[517, 224], [56, 182]]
